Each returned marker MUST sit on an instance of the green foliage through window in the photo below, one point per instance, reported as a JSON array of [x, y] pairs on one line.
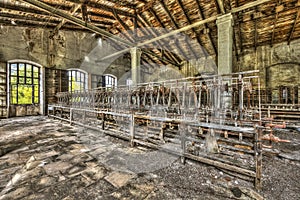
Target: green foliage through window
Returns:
[[24, 83]]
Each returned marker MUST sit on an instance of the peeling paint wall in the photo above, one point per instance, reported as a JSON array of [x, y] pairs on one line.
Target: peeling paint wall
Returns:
[[65, 50], [279, 65]]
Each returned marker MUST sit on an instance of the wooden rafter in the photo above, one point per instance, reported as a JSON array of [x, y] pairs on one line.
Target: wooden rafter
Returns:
[[63, 21], [75, 20], [239, 26], [193, 29], [221, 6], [165, 53], [105, 7], [161, 43], [273, 30], [163, 26], [294, 25], [166, 9], [255, 32], [206, 27]]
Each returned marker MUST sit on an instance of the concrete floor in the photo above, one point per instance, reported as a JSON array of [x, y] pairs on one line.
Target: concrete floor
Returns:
[[41, 158]]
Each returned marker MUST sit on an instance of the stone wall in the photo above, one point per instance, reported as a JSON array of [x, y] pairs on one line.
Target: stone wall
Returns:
[[279, 65]]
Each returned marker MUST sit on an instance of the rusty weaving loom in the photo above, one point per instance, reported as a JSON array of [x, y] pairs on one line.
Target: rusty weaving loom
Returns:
[[212, 119]]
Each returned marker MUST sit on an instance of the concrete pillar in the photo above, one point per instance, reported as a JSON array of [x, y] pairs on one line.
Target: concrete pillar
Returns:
[[135, 65], [225, 41]]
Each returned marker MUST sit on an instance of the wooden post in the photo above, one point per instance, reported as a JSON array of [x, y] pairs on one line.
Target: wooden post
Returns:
[[258, 158], [71, 116], [132, 129], [182, 129]]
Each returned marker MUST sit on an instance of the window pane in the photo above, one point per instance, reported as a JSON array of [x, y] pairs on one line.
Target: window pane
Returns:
[[36, 99], [14, 94], [24, 94], [21, 80], [13, 69], [21, 69], [36, 90], [35, 81], [28, 70], [28, 81], [13, 79]]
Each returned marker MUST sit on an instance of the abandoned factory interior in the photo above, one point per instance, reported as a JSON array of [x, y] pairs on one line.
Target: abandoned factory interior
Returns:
[[149, 99]]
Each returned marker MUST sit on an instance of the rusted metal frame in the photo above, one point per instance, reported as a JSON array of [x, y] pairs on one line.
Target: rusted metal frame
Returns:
[[294, 26], [176, 26], [63, 21], [161, 43], [206, 27], [193, 29], [162, 25], [104, 7], [145, 31]]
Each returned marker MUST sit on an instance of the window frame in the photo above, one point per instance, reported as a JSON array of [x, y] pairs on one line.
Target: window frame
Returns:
[[82, 81], [24, 78]]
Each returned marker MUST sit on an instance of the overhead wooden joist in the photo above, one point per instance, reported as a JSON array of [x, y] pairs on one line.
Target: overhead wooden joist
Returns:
[[294, 25], [164, 27], [63, 21], [153, 32], [76, 21], [206, 27], [239, 19], [175, 24], [105, 7]]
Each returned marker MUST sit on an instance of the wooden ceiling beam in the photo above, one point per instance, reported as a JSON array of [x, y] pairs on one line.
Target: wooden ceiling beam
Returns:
[[161, 43], [221, 6], [239, 27], [63, 21], [162, 25], [76, 21], [38, 24], [118, 18], [293, 28], [158, 45], [255, 34], [100, 6], [177, 27], [193, 29], [273, 30]]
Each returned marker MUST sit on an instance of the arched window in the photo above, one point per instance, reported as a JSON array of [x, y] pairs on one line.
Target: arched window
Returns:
[[110, 80], [24, 79], [107, 80], [78, 80]]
